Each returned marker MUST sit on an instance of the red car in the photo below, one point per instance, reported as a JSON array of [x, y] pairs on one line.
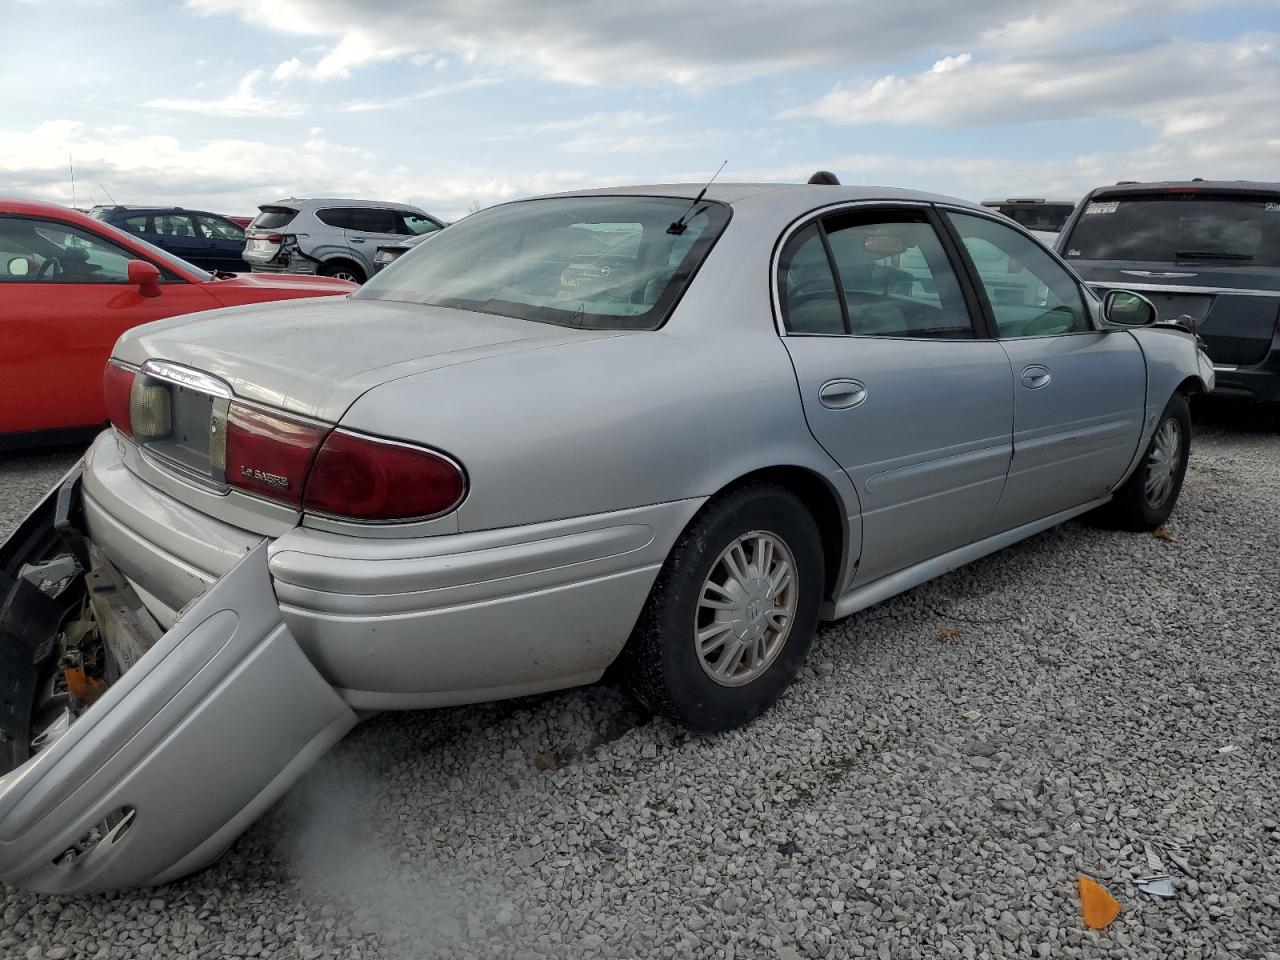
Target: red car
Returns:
[[69, 286]]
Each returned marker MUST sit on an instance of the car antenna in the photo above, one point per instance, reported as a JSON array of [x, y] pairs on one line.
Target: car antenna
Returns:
[[678, 227]]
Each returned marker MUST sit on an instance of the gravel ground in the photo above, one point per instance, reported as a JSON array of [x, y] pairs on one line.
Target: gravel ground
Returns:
[[931, 787]]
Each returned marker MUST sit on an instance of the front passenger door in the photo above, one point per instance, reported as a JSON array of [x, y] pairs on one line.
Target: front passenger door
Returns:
[[1079, 391], [897, 384]]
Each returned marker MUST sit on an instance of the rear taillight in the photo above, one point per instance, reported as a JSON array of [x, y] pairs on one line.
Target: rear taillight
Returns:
[[274, 238], [364, 478], [117, 386], [268, 454]]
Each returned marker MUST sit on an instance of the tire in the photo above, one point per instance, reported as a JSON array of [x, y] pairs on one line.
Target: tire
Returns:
[[1147, 498], [661, 664], [342, 270]]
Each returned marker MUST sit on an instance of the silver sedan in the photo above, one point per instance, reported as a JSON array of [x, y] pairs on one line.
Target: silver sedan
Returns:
[[656, 428]]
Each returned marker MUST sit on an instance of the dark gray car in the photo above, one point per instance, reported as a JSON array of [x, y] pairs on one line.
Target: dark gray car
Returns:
[[1206, 253]]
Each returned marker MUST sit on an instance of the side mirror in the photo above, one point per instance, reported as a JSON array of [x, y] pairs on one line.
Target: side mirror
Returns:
[[146, 276], [18, 267], [1128, 309]]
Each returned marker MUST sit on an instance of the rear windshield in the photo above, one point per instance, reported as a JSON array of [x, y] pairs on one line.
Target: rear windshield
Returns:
[[1037, 216], [1179, 228], [273, 218], [596, 263]]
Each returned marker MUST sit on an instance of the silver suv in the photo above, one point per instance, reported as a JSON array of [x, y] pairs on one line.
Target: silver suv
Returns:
[[332, 238]]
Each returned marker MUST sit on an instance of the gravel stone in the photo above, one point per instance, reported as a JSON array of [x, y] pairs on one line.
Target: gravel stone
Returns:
[[907, 799]]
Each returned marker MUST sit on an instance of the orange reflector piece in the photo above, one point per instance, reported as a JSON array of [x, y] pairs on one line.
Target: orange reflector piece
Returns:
[[83, 687], [1099, 907]]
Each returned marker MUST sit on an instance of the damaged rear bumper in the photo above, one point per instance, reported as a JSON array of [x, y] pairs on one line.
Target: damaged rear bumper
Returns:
[[178, 751]]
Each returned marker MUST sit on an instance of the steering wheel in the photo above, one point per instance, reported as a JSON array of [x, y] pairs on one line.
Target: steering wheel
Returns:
[[52, 266]]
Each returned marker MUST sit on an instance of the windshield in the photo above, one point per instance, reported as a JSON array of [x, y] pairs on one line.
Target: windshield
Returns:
[[596, 263], [1172, 228], [1050, 217]]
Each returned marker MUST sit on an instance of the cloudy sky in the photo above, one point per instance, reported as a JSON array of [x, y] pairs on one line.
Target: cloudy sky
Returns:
[[455, 103]]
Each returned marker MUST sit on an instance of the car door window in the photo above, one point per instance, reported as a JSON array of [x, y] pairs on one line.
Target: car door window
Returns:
[[416, 225], [373, 220], [339, 217], [45, 251], [1030, 293], [136, 224], [175, 225], [895, 276], [215, 228], [807, 287]]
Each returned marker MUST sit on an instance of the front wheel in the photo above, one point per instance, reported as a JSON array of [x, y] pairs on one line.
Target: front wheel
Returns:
[[732, 613], [1147, 498]]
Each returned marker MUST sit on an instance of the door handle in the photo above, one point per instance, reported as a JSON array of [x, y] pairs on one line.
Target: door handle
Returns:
[[1035, 376], [357, 240], [842, 394]]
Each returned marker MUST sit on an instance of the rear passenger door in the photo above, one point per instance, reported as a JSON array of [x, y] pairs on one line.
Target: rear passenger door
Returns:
[[1079, 391], [897, 381], [177, 233]]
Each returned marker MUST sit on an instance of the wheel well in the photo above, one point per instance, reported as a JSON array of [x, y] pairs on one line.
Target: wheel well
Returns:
[[1191, 385], [821, 501], [343, 262]]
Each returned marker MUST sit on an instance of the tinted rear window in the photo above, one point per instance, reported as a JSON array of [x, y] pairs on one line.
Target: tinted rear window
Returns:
[[597, 263], [1038, 216], [273, 218], [339, 217], [1178, 228]]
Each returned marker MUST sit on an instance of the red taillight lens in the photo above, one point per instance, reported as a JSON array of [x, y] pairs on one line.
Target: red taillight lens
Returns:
[[268, 454], [117, 385], [368, 479]]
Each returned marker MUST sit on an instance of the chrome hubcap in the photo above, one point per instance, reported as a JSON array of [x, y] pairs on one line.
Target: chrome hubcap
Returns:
[[746, 608], [1162, 462]]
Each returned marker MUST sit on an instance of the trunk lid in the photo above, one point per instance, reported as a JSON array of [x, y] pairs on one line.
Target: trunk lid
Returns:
[[315, 357]]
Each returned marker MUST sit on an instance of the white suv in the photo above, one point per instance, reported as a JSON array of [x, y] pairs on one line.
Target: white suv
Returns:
[[332, 238]]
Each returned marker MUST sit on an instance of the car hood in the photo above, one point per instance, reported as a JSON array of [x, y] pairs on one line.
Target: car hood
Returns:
[[316, 357], [270, 285]]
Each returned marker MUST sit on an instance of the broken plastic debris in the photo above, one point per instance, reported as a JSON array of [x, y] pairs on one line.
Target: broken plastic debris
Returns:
[[1165, 534], [1158, 885], [1099, 907], [1229, 748], [973, 715]]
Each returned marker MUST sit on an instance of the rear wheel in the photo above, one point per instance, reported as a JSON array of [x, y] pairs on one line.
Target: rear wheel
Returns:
[[732, 613], [1149, 495], [342, 270]]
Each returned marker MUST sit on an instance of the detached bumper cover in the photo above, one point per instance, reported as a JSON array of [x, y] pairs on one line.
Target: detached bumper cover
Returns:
[[158, 777]]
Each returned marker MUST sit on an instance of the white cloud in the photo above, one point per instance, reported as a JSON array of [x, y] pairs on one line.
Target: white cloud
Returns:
[[288, 69], [684, 42], [429, 93], [235, 175], [1148, 84], [243, 102]]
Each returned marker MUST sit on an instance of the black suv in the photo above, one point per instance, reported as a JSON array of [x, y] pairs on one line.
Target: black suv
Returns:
[[1206, 253], [208, 240]]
